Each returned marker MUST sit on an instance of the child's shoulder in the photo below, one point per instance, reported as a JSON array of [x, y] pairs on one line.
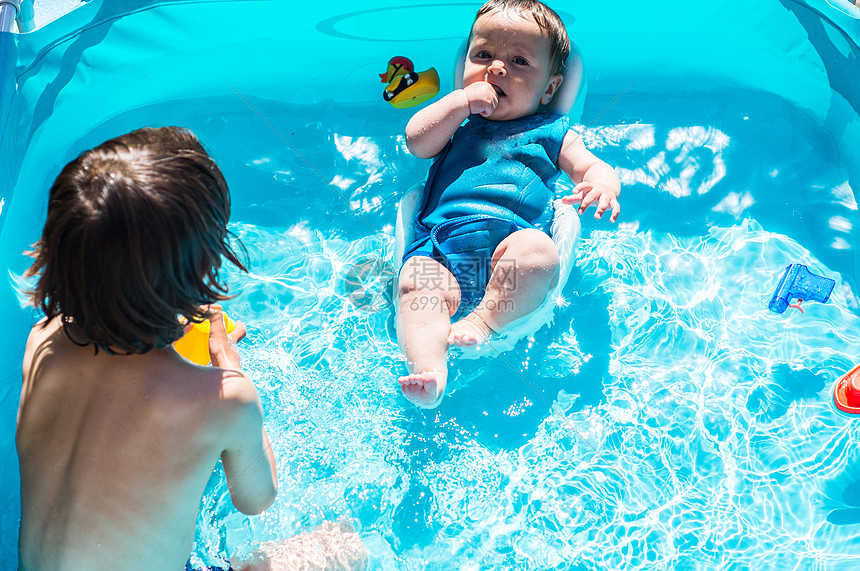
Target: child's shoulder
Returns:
[[227, 393], [40, 333], [239, 389]]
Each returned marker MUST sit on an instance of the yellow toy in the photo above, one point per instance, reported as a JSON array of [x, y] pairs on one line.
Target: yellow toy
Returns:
[[406, 87], [194, 345]]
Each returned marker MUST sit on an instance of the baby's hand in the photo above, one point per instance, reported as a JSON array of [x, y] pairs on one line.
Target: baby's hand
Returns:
[[482, 97], [585, 193]]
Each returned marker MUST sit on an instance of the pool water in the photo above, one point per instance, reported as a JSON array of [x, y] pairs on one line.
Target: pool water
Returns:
[[666, 420]]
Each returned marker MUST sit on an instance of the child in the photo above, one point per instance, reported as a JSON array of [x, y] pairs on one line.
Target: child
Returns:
[[117, 434], [482, 247]]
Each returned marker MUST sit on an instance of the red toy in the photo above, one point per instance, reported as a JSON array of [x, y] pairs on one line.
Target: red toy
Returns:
[[846, 392]]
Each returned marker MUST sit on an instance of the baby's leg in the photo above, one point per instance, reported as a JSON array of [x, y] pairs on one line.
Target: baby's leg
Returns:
[[524, 269], [427, 297]]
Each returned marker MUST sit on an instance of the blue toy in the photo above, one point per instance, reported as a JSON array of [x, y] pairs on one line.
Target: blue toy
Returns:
[[798, 282]]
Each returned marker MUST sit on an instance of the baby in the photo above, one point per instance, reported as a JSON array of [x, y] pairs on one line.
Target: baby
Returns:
[[482, 255]]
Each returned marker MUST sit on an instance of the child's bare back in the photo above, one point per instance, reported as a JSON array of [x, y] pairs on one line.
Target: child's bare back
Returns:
[[115, 452]]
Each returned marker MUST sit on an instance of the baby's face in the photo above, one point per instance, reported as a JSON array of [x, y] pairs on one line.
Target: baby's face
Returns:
[[511, 54]]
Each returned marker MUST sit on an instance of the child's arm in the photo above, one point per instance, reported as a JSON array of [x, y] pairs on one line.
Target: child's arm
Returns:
[[595, 180], [430, 129], [249, 463]]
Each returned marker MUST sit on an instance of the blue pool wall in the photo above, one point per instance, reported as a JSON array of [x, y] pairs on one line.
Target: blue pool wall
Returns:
[[10, 378], [101, 69]]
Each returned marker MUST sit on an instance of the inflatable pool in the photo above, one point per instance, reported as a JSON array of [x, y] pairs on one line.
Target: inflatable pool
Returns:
[[666, 420]]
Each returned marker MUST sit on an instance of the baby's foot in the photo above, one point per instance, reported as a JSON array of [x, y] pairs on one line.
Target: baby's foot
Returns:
[[424, 389], [471, 331]]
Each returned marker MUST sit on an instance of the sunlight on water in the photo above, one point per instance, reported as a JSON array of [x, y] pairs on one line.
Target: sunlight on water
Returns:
[[667, 420]]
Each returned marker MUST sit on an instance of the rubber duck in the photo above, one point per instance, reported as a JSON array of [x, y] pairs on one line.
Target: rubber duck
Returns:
[[406, 87], [194, 345]]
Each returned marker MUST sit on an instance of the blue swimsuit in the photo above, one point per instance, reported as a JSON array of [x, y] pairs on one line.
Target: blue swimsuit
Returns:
[[491, 179]]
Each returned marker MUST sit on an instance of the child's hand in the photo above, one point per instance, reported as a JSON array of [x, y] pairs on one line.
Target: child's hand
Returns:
[[222, 347], [585, 193], [482, 97]]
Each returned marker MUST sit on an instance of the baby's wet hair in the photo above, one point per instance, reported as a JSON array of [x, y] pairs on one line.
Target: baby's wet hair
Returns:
[[134, 237], [545, 17]]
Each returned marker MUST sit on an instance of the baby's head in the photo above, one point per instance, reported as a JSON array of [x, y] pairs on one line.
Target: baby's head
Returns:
[[519, 47], [135, 231]]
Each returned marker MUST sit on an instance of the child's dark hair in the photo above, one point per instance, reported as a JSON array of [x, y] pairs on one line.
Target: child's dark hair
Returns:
[[134, 236], [546, 18]]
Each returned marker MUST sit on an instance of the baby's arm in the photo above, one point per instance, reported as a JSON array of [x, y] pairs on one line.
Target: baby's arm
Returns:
[[249, 463], [595, 180], [430, 129]]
